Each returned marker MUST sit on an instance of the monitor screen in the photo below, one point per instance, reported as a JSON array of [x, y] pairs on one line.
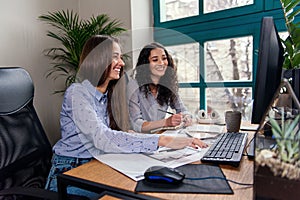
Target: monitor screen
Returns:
[[269, 69], [293, 75]]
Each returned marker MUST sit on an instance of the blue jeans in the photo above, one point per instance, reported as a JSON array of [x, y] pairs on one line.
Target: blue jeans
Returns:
[[61, 164]]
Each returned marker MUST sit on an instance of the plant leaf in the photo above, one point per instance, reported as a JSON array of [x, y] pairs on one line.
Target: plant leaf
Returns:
[[72, 33], [275, 128]]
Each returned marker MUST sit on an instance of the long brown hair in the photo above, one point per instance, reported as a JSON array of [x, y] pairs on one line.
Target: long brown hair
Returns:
[[95, 66]]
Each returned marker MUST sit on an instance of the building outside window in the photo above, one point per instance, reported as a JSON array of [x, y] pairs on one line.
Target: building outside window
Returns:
[[216, 67]]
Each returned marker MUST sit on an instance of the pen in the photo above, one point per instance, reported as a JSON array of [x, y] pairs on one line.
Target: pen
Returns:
[[166, 111]]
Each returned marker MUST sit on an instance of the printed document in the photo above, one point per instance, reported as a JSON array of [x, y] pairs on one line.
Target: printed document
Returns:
[[134, 165]]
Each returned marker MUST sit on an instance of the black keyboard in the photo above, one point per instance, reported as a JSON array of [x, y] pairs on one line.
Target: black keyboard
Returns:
[[227, 149]]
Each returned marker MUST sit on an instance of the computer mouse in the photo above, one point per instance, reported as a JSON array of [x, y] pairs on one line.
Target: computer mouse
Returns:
[[162, 174]]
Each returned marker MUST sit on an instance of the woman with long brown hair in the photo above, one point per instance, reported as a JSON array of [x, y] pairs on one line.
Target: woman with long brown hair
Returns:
[[93, 117]]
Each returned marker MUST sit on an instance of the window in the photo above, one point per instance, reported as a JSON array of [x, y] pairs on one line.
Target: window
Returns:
[[217, 5], [217, 64], [186, 58], [172, 9], [228, 59]]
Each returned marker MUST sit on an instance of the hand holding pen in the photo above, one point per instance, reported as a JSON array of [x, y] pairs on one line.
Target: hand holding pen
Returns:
[[187, 119], [177, 119], [174, 120]]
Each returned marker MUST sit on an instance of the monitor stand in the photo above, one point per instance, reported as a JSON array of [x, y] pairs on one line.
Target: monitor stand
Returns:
[[251, 149]]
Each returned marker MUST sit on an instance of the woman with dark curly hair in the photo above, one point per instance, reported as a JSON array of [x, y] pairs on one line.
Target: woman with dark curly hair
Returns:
[[154, 90]]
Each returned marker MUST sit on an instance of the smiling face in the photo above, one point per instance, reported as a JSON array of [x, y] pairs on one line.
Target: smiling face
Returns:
[[158, 64], [117, 62]]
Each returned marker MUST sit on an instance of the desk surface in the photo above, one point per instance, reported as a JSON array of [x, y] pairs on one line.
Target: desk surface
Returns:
[[98, 172]]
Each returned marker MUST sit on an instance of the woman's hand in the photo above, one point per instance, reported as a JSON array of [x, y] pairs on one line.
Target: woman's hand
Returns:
[[187, 120], [180, 142], [174, 120]]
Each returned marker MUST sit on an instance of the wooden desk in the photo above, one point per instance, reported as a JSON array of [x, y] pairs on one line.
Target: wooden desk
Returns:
[[97, 173]]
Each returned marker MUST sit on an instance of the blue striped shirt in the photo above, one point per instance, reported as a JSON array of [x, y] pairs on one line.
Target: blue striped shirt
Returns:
[[84, 127]]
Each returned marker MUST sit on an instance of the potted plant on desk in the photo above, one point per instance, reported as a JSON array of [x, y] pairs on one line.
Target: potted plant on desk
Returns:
[[277, 170]]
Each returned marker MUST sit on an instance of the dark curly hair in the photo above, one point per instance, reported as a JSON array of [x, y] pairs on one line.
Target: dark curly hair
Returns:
[[168, 84]]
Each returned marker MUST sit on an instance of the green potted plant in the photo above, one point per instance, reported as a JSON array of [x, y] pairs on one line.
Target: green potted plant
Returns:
[[277, 169], [283, 160], [277, 161], [292, 42], [72, 32]]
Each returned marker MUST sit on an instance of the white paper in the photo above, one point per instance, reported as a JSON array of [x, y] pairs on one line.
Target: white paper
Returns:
[[252, 127], [131, 165], [206, 128], [134, 165]]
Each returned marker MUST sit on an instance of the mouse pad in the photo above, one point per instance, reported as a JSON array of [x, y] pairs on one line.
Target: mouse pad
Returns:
[[206, 186]]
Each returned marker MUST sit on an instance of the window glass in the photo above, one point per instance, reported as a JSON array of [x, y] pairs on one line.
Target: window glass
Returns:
[[283, 35], [186, 58], [176, 9], [191, 98], [222, 99], [229, 59], [210, 6], [219, 72]]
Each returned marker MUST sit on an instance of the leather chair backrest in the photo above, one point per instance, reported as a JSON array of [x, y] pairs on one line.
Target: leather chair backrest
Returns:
[[25, 152]]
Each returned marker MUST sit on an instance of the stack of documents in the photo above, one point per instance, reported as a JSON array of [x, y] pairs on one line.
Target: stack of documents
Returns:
[[134, 165]]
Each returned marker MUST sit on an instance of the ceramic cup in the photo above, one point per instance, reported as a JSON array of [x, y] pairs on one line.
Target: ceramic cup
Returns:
[[233, 121]]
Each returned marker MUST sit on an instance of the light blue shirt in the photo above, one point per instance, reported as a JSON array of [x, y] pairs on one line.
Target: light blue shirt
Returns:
[[84, 127], [142, 108]]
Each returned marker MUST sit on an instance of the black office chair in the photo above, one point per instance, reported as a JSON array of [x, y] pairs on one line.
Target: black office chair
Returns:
[[25, 152]]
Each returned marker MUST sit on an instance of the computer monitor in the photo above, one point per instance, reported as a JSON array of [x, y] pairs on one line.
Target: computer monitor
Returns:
[[269, 69], [294, 79]]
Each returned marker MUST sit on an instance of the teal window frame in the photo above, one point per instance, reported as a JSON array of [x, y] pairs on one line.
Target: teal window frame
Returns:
[[236, 22]]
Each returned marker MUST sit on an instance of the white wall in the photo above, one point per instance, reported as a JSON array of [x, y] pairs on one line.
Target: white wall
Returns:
[[116, 9], [142, 24], [136, 17], [23, 39]]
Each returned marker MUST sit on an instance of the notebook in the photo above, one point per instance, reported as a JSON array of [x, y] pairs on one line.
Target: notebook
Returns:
[[167, 128]]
